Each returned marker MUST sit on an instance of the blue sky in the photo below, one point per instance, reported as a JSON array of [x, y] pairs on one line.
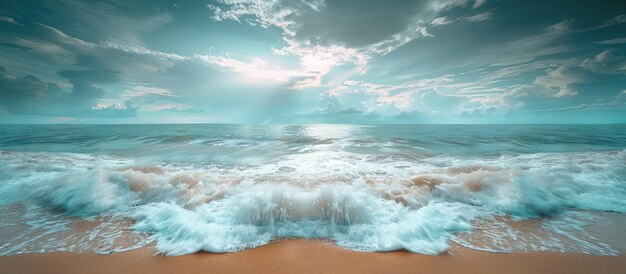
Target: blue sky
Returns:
[[314, 61]]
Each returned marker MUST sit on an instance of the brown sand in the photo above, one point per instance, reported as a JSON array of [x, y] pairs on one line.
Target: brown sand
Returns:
[[301, 256]]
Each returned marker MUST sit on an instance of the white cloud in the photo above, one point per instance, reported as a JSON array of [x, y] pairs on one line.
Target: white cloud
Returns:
[[560, 28], [479, 17], [423, 32], [442, 5], [323, 40], [142, 51], [606, 62], [501, 103], [141, 91], [618, 102], [616, 41], [114, 45], [401, 100], [397, 40], [317, 61], [479, 3], [9, 20], [39, 45], [257, 70], [440, 21], [561, 78], [69, 38], [134, 95], [398, 96], [333, 107], [620, 19], [175, 107]]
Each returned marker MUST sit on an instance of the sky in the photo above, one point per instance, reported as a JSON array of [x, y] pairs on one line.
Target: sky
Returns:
[[313, 61]]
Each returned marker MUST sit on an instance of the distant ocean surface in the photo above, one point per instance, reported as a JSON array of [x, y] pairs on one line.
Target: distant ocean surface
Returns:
[[224, 188]]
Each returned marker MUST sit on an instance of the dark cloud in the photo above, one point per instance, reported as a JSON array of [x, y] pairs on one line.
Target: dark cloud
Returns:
[[353, 25], [556, 30], [29, 95], [94, 21]]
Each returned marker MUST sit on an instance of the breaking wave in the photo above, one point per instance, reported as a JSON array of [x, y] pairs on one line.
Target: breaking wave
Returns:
[[360, 201]]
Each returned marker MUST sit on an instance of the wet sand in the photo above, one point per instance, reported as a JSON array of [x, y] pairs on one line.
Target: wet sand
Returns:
[[302, 256]]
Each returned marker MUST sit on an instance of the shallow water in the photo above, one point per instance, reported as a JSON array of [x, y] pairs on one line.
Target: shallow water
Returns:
[[223, 188]]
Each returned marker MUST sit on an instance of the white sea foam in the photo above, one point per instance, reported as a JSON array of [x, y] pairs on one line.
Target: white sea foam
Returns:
[[359, 201]]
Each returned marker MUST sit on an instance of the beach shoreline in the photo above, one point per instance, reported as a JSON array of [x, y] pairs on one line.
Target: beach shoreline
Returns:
[[312, 256]]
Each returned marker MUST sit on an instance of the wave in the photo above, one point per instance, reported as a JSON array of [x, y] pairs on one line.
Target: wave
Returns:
[[359, 201]]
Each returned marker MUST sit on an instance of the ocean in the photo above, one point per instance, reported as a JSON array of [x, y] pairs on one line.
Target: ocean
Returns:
[[224, 188]]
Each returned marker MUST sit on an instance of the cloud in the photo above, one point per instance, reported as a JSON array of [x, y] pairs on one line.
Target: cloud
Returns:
[[326, 34], [400, 60], [478, 17], [504, 103], [620, 19], [333, 107], [480, 111], [606, 62], [440, 21], [443, 5], [114, 45], [335, 110], [478, 3], [615, 41], [9, 20], [141, 50], [300, 22], [122, 22], [325, 22], [560, 28], [186, 109], [407, 115], [421, 95], [399, 96], [317, 61], [401, 100], [617, 102], [61, 51], [142, 91], [561, 79], [166, 106], [29, 95], [257, 69], [617, 20], [113, 111], [148, 99], [556, 87], [91, 67]]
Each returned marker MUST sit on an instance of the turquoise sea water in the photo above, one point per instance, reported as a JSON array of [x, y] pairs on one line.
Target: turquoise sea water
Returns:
[[223, 188]]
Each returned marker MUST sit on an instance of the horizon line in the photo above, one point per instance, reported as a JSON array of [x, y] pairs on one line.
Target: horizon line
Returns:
[[277, 124]]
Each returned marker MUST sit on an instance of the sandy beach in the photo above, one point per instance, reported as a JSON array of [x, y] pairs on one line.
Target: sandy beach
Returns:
[[303, 256]]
